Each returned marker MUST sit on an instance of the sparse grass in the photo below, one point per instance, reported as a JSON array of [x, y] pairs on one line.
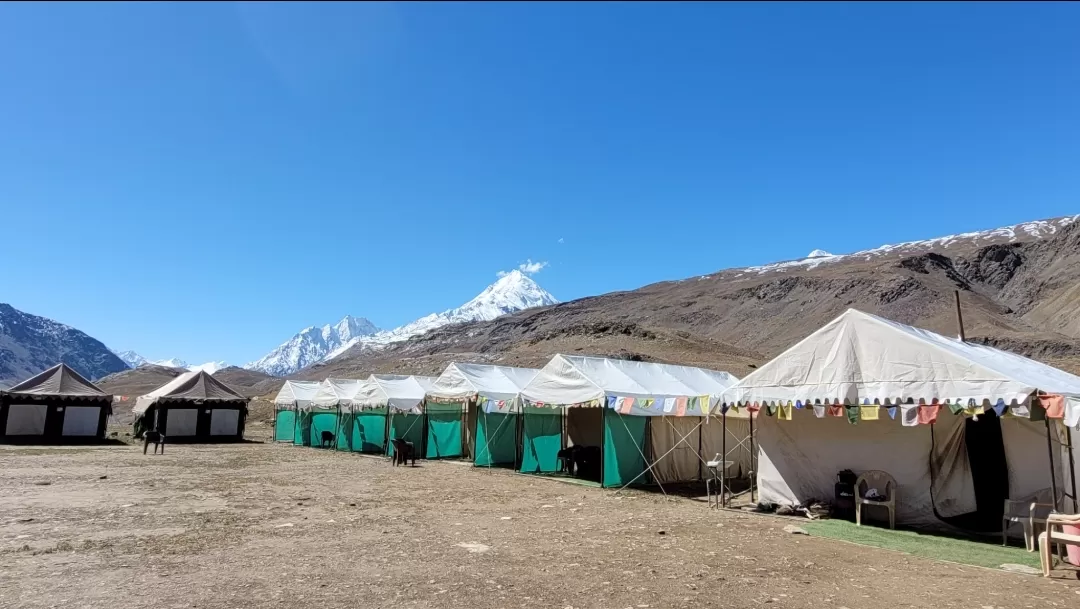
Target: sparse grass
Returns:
[[928, 546]]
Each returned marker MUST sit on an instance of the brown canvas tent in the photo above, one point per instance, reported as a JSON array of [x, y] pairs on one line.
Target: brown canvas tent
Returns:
[[57, 405], [193, 407]]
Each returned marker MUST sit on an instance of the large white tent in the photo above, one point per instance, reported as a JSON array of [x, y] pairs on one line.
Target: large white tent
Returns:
[[293, 396], [487, 398], [871, 370], [627, 393], [399, 400]]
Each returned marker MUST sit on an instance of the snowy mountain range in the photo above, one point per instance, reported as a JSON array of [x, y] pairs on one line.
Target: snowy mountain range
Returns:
[[514, 291], [1027, 231], [30, 344], [312, 345], [134, 360]]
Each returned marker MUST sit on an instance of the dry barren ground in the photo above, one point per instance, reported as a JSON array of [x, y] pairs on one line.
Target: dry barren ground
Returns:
[[259, 525]]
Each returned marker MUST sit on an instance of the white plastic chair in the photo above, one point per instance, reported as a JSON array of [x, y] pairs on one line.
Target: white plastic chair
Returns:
[[1030, 512], [885, 485]]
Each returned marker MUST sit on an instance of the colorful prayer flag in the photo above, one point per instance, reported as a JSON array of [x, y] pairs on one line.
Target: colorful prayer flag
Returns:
[[868, 413]]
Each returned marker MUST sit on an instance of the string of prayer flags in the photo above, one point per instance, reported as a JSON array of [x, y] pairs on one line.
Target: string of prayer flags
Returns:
[[785, 412], [852, 414], [1000, 407], [910, 415], [1054, 405], [928, 413]]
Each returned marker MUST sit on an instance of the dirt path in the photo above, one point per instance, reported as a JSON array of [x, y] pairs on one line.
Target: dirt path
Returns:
[[277, 526]]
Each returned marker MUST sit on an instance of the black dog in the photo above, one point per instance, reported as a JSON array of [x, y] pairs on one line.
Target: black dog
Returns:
[[157, 438], [587, 462], [327, 439], [403, 452], [566, 459]]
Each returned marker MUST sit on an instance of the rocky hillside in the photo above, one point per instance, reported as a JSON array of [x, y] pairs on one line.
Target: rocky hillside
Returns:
[[1020, 288], [30, 344]]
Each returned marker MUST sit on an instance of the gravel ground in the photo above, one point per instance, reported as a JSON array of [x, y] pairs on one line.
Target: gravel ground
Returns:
[[262, 525]]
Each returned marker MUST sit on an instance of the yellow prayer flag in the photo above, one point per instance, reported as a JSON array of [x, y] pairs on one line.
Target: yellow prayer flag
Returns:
[[785, 412], [869, 413]]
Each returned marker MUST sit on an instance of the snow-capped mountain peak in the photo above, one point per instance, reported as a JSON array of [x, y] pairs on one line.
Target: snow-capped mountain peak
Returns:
[[311, 345], [514, 291], [819, 254], [134, 360]]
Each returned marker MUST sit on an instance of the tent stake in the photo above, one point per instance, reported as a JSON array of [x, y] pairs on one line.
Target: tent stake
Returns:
[[1053, 476]]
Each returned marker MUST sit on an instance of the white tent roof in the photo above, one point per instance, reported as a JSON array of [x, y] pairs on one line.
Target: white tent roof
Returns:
[[333, 393], [859, 356], [571, 380], [296, 393], [462, 381], [197, 386], [395, 391]]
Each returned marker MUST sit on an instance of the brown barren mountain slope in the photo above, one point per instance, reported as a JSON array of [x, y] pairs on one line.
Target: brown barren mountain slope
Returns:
[[1017, 294]]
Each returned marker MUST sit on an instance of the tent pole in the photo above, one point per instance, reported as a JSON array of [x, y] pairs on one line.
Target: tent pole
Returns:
[[603, 440], [723, 460], [1072, 469], [753, 462], [1050, 452]]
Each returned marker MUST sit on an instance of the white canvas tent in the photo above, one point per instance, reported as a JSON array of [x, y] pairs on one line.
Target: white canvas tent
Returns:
[[861, 359], [489, 398], [294, 396], [332, 394], [671, 447], [400, 399]]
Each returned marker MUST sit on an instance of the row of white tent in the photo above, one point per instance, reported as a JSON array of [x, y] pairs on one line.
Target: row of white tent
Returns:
[[661, 422]]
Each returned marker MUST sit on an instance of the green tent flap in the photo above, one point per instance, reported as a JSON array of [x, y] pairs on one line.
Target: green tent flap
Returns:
[[444, 431], [320, 422], [541, 440], [624, 445], [409, 427], [496, 439], [364, 431], [285, 426], [302, 434]]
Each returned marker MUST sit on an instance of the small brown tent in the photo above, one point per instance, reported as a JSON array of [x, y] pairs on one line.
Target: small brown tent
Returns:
[[193, 407], [57, 405]]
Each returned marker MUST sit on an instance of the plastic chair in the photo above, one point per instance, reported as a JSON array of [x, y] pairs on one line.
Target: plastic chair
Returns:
[[882, 482], [1030, 512], [1055, 534]]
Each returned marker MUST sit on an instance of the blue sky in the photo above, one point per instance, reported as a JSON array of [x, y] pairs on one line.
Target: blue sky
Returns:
[[202, 181]]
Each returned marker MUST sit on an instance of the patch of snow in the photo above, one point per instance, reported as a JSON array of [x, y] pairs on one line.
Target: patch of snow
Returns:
[[1039, 229], [312, 345]]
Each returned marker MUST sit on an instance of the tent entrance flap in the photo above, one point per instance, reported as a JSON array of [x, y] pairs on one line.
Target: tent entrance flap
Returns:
[[496, 439], [322, 422], [285, 426], [541, 439], [624, 449], [408, 427], [364, 431], [444, 431]]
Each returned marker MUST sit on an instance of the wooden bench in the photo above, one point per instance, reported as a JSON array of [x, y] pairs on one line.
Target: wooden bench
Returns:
[[1055, 535]]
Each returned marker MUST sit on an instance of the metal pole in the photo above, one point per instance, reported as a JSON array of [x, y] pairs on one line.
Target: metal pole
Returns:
[[1050, 452], [723, 459], [753, 462], [1072, 469]]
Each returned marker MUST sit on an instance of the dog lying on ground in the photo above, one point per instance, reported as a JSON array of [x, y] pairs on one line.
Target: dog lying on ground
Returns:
[[403, 452], [157, 438], [327, 439]]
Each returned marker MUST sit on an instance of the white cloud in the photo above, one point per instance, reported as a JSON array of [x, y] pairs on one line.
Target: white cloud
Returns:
[[528, 267], [531, 268], [561, 240]]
